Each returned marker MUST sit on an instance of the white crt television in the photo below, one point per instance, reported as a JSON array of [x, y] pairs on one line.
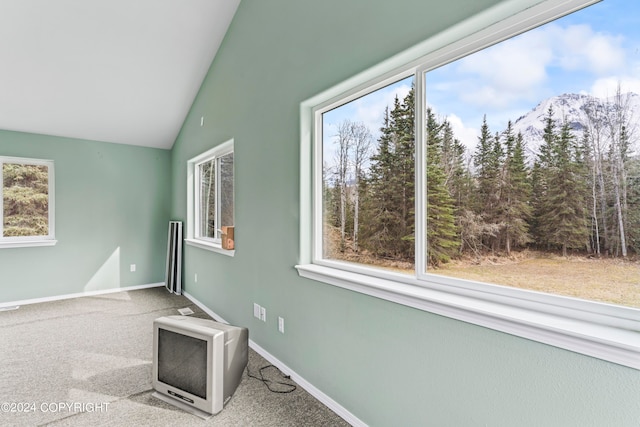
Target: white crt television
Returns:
[[197, 363]]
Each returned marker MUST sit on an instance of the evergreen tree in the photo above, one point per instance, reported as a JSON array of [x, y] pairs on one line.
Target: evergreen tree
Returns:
[[515, 193], [481, 162], [405, 121], [389, 231], [633, 203], [564, 214], [487, 162], [541, 177], [25, 194], [377, 233], [457, 175], [442, 238], [330, 211], [538, 190], [585, 169], [461, 186]]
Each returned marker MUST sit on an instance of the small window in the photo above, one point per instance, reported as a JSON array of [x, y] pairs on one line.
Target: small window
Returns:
[[27, 202], [211, 199]]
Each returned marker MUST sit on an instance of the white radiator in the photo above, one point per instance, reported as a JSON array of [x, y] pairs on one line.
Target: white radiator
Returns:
[[173, 276]]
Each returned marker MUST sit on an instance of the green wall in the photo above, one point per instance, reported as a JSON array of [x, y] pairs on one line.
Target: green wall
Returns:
[[389, 365], [112, 207]]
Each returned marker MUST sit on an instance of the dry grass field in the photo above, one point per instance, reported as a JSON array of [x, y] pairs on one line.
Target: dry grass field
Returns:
[[607, 280]]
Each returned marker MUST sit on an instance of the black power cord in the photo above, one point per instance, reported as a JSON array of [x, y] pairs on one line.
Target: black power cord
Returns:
[[268, 382]]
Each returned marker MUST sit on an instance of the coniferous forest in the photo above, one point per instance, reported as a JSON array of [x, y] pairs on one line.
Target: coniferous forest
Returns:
[[25, 200], [580, 194]]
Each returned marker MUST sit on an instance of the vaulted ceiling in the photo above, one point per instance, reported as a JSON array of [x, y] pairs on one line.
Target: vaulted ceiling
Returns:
[[121, 71]]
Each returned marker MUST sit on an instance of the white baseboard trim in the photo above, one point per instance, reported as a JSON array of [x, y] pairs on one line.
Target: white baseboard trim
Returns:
[[310, 388], [204, 307], [15, 304]]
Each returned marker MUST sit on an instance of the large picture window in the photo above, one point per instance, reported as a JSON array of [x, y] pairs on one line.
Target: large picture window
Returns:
[[494, 180], [27, 209], [211, 199]]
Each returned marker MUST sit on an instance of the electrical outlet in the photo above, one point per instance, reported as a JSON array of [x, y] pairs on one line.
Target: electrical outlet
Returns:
[[256, 310], [263, 314], [132, 268], [195, 278], [281, 325]]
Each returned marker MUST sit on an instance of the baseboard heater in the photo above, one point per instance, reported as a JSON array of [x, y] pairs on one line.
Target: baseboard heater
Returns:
[[173, 276]]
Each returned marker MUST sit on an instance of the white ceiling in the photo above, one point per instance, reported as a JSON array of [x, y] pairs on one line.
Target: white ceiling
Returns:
[[121, 71]]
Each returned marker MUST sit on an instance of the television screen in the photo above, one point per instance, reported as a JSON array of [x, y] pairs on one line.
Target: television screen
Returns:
[[197, 363], [182, 362]]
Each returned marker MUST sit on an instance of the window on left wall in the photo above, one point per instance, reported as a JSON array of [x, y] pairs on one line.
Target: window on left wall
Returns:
[[27, 208], [210, 200]]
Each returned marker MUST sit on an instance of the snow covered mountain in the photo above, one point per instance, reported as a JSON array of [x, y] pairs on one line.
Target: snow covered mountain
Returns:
[[579, 111]]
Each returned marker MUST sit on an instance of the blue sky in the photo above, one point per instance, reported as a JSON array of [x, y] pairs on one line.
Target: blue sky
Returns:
[[590, 51]]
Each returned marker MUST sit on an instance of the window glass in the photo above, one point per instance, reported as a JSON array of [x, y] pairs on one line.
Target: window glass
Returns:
[[25, 196], [533, 159], [226, 190], [210, 198], [207, 173], [368, 179], [27, 200]]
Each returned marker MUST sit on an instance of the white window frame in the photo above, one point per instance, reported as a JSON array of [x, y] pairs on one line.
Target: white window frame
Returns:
[[30, 241], [605, 331], [193, 211]]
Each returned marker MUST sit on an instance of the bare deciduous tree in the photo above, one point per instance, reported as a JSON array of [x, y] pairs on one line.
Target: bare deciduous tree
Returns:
[[362, 142]]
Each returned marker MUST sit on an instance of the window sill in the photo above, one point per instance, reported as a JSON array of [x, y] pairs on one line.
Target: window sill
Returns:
[[585, 335], [209, 247], [27, 244]]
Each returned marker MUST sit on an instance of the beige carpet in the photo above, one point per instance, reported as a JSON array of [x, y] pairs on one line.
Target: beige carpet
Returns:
[[87, 361]]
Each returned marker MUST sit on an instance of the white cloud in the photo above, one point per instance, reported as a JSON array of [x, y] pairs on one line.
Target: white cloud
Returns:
[[370, 109], [579, 47], [506, 72], [519, 69], [511, 65], [608, 86], [467, 135]]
